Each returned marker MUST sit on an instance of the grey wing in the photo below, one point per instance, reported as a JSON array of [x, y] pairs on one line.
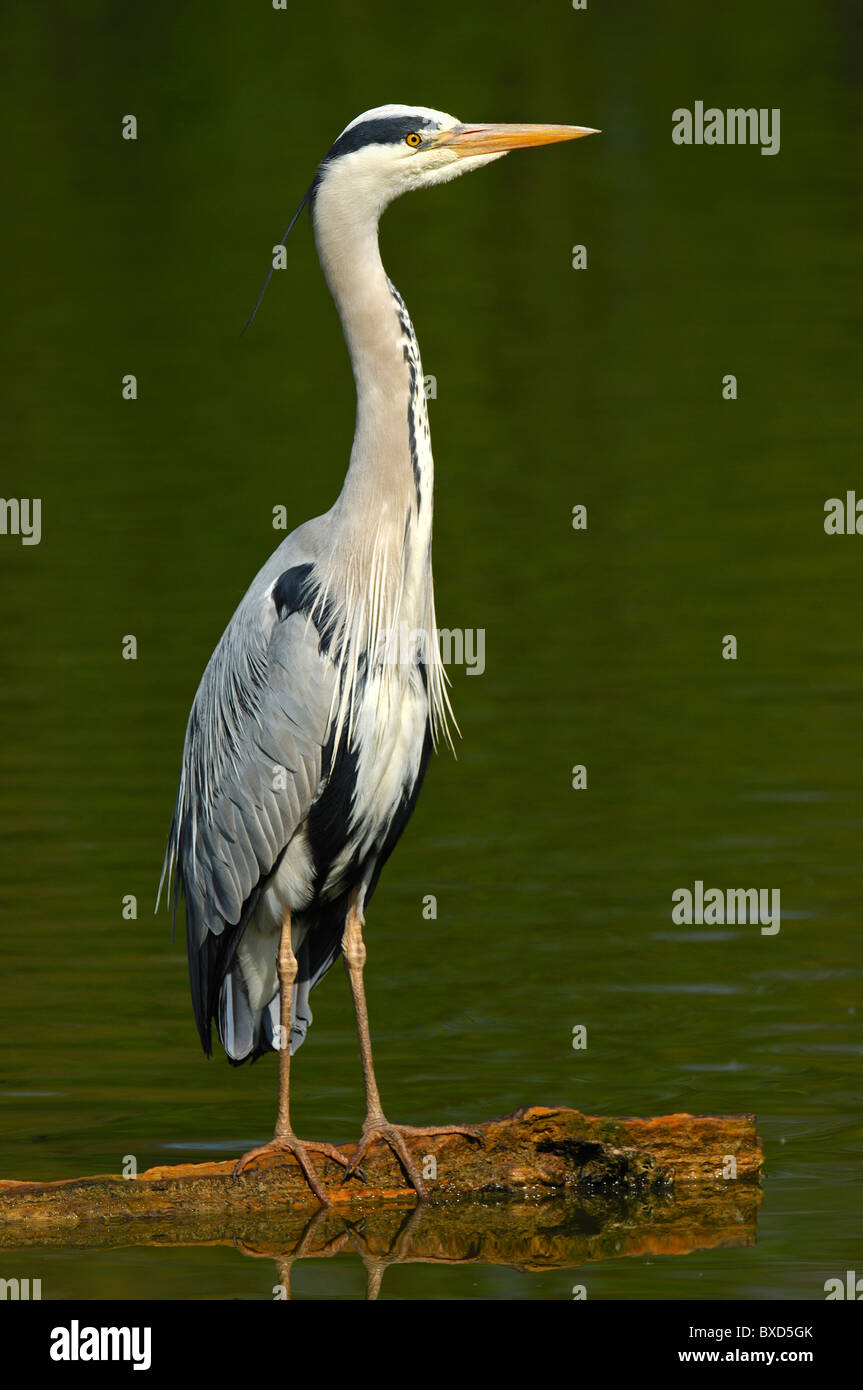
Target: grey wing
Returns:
[[250, 773]]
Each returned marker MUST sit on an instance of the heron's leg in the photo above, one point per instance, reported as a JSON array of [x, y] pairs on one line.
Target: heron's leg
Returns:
[[284, 1140], [286, 1259], [376, 1125], [399, 1250]]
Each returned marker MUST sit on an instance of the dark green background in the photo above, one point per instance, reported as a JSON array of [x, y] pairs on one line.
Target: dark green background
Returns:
[[554, 387]]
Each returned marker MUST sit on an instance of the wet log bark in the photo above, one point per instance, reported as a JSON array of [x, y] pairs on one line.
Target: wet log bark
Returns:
[[536, 1152]]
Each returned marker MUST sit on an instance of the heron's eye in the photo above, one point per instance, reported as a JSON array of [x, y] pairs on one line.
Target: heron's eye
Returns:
[[413, 139]]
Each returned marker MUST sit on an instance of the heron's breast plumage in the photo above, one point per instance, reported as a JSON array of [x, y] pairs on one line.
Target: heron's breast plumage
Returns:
[[390, 730]]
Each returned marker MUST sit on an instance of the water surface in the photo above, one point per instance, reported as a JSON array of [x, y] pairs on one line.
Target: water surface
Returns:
[[603, 647]]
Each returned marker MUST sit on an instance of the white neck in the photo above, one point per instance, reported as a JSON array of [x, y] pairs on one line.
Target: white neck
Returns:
[[381, 482], [379, 569]]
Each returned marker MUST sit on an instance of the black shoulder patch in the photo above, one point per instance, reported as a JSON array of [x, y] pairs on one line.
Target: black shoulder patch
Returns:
[[291, 591], [296, 591]]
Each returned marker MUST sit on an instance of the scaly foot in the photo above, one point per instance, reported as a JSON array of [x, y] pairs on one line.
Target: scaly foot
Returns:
[[289, 1143], [394, 1136]]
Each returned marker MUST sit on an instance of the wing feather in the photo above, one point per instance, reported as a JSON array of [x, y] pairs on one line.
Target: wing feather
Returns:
[[251, 770]]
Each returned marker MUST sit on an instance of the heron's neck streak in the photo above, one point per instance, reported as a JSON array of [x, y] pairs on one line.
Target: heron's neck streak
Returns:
[[378, 569], [390, 469]]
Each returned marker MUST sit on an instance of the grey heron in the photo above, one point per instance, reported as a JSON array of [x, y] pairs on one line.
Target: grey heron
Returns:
[[307, 744]]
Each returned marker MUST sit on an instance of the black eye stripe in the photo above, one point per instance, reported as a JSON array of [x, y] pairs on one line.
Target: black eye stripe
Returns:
[[385, 130]]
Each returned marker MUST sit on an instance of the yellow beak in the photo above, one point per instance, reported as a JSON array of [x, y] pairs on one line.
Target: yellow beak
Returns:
[[497, 139]]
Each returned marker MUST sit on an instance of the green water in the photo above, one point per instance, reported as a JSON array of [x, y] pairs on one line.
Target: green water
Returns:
[[603, 647]]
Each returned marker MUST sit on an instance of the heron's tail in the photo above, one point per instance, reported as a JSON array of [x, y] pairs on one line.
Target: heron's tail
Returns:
[[249, 1013], [247, 1033]]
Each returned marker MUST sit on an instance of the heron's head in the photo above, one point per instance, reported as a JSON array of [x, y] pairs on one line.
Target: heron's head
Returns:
[[392, 149]]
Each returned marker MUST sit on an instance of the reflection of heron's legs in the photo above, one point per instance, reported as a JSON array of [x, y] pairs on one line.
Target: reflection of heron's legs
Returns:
[[376, 1125], [284, 1140], [302, 1249], [398, 1251]]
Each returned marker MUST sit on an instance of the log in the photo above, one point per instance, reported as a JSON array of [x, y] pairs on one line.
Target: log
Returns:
[[639, 1173]]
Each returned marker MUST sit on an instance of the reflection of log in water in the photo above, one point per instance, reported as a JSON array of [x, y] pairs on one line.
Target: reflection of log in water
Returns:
[[551, 1233], [546, 1189], [545, 1233]]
